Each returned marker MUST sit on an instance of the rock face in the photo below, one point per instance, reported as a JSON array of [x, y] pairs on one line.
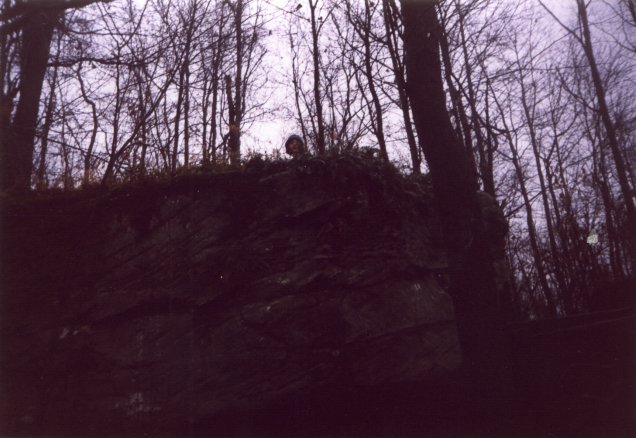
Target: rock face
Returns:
[[170, 303]]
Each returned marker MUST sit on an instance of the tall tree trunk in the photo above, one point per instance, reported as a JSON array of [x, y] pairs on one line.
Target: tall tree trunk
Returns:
[[205, 105], [455, 94], [235, 100], [234, 133], [91, 145], [315, 53], [296, 84], [6, 102], [17, 149], [177, 121], [114, 154], [41, 182], [378, 125], [472, 276], [186, 118], [485, 166], [391, 27], [145, 99], [213, 116], [216, 67]]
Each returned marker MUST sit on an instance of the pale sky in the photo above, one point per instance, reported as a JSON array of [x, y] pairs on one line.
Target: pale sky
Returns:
[[270, 132]]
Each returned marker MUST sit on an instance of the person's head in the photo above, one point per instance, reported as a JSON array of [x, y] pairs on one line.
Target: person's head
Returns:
[[295, 145]]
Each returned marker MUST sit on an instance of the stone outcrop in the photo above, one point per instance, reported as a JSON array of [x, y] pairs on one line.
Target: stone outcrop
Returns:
[[168, 303]]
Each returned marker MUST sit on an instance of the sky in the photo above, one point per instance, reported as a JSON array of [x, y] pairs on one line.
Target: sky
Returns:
[[265, 135], [270, 132]]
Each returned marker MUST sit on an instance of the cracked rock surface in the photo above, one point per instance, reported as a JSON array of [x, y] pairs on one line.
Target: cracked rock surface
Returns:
[[167, 303]]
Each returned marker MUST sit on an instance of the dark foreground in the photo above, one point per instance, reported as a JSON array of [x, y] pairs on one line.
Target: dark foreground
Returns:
[[573, 377]]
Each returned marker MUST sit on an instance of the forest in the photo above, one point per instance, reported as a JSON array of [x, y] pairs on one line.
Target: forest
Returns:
[[540, 96]]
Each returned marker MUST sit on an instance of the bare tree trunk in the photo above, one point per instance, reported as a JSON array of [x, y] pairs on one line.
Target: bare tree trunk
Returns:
[[390, 24], [235, 94], [66, 175], [37, 25], [205, 107], [177, 121], [91, 145], [186, 118], [472, 276], [216, 68], [363, 29], [144, 93], [455, 94], [41, 182], [233, 133], [6, 101], [296, 84], [213, 116], [114, 154], [320, 138], [17, 151], [485, 166]]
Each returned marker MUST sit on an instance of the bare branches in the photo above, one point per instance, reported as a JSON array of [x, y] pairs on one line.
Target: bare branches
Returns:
[[542, 103]]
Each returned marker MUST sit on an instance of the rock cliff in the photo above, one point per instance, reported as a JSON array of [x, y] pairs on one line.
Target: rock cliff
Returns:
[[169, 303]]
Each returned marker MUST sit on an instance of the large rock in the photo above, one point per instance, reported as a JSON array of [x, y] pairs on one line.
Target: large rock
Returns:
[[169, 303]]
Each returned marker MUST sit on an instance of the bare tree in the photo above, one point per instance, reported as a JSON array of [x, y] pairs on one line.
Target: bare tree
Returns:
[[393, 31], [584, 37], [36, 21], [363, 24], [472, 276]]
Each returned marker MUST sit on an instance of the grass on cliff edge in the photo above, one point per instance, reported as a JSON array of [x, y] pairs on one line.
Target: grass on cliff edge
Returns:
[[344, 165]]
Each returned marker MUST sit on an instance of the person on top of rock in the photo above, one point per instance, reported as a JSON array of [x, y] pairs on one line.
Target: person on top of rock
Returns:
[[295, 146]]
